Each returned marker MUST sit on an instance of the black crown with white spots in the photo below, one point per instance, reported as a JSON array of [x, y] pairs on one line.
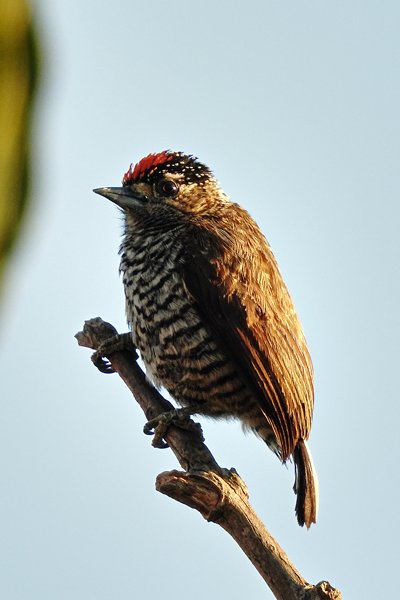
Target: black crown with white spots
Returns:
[[150, 168]]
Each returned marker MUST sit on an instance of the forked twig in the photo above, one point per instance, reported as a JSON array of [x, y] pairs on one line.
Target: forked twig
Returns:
[[218, 494]]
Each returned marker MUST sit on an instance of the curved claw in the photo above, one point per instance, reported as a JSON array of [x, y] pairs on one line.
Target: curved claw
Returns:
[[116, 343], [149, 427], [103, 365], [157, 427], [179, 417], [159, 443]]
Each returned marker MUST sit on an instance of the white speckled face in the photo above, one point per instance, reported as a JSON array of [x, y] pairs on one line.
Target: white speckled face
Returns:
[[173, 180]]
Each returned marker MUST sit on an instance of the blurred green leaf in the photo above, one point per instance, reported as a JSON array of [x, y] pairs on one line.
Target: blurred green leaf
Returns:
[[18, 76]]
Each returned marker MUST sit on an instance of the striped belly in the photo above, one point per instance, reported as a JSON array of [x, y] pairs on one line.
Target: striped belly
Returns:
[[180, 351]]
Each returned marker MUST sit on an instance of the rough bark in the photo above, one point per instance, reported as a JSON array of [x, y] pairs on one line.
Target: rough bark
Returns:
[[218, 494]]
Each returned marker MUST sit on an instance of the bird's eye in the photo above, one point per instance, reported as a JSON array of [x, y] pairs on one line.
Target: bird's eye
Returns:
[[167, 188]]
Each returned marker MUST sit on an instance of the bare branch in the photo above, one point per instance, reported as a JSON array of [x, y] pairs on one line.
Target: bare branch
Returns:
[[218, 494]]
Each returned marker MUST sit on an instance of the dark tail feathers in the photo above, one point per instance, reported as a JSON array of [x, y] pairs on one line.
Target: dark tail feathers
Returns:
[[305, 485]]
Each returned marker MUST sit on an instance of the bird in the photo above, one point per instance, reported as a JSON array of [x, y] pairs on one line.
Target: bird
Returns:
[[209, 311]]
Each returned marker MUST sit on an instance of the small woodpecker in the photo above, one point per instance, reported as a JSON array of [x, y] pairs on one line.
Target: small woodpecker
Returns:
[[209, 311]]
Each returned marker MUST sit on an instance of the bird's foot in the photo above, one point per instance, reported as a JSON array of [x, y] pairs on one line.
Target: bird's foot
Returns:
[[116, 343], [179, 417]]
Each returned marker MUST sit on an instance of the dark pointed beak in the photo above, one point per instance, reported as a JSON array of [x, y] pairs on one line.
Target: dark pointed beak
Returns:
[[122, 196]]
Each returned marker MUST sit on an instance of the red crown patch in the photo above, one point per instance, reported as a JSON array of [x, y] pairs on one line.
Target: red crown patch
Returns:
[[145, 165]]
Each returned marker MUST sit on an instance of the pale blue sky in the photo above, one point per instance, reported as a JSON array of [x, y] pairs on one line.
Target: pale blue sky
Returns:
[[295, 106]]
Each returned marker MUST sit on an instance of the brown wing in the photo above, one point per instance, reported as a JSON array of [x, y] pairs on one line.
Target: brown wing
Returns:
[[232, 275]]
